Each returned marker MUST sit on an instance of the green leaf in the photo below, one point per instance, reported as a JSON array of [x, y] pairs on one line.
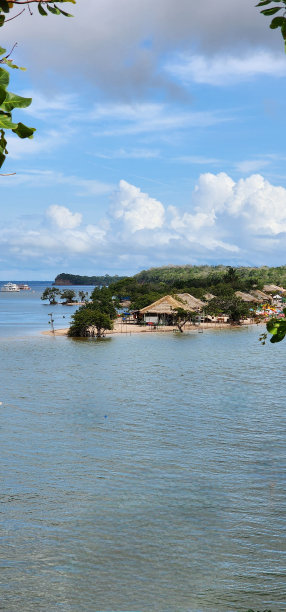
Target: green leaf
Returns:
[[2, 51], [283, 29], [65, 14], [42, 10], [277, 337], [4, 6], [23, 131], [6, 123], [2, 158], [14, 101], [277, 22], [271, 11], [3, 94], [11, 64], [4, 78], [53, 9], [2, 20], [263, 2]]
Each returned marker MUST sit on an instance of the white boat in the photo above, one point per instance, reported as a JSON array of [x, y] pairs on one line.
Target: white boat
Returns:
[[24, 287], [10, 287]]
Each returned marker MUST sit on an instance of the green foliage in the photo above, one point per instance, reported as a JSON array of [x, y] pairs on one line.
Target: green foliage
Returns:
[[229, 305], [50, 294], [68, 295], [95, 317], [8, 100], [277, 329], [89, 322], [277, 22], [102, 301], [77, 279], [83, 295], [182, 316]]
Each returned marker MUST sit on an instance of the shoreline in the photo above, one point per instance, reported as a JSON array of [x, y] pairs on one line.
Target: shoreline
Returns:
[[129, 329]]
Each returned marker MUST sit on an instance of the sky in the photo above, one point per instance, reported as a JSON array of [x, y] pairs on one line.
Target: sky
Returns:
[[160, 139]]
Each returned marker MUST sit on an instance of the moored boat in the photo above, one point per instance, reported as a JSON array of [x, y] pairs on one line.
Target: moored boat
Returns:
[[10, 287], [24, 287]]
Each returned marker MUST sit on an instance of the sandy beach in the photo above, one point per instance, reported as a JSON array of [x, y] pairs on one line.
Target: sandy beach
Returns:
[[128, 329]]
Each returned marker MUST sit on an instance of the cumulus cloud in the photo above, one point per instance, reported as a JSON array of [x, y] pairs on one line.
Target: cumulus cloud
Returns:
[[63, 218], [242, 222], [136, 209]]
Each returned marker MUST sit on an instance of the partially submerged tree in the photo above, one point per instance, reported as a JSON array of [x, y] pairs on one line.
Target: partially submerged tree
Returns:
[[68, 295], [89, 322], [50, 294], [102, 301], [8, 100], [93, 319], [182, 317], [83, 295]]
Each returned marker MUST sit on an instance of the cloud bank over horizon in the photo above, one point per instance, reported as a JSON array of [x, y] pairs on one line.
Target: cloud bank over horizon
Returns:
[[233, 222]]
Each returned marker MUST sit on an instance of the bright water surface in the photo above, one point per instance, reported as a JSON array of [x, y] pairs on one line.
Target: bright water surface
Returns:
[[141, 473]]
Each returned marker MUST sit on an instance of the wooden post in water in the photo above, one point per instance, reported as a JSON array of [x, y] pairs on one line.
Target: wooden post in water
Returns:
[[51, 322]]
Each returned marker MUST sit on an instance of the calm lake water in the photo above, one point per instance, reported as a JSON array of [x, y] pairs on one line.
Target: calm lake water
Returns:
[[142, 473]]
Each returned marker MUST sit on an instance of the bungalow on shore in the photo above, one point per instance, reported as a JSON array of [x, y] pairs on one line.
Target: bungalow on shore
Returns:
[[162, 312]]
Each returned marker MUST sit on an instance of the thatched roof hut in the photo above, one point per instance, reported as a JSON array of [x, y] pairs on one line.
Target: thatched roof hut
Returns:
[[247, 297], [166, 305], [163, 311], [273, 289], [190, 302], [260, 295]]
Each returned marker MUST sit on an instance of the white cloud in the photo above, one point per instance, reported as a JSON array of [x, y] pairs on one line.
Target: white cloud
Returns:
[[251, 165], [241, 222], [47, 106], [136, 209], [63, 218], [45, 178], [129, 119], [223, 70], [47, 143], [130, 154]]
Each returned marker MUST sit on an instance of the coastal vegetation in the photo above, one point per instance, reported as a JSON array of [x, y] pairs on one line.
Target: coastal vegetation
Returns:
[[221, 290], [50, 294], [94, 318], [68, 295], [77, 279]]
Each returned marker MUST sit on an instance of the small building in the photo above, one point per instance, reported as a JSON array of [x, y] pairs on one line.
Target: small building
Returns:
[[247, 297], [273, 289], [163, 311], [190, 302]]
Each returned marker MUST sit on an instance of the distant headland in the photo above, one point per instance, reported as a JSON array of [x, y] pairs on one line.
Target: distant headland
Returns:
[[76, 279]]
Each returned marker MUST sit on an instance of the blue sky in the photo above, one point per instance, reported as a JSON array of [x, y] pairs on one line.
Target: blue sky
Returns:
[[160, 139]]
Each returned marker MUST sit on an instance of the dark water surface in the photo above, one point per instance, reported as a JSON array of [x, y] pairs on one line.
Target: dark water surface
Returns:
[[143, 473]]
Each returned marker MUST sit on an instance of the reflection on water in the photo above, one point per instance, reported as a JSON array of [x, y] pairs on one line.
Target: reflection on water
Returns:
[[143, 473]]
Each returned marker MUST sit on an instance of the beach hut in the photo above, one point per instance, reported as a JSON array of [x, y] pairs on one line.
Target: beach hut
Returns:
[[247, 297], [190, 302], [261, 295], [273, 289], [161, 312]]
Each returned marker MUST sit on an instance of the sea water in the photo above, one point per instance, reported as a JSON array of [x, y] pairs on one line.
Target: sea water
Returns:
[[142, 473]]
